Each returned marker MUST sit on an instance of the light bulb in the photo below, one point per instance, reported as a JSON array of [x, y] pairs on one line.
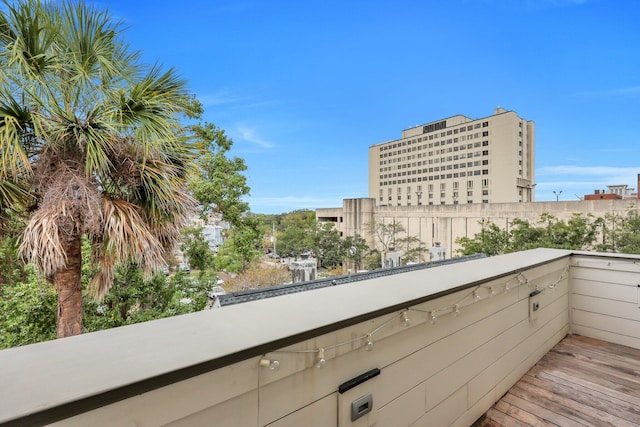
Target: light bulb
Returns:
[[405, 318], [506, 288], [321, 360], [456, 310], [369, 345], [272, 364], [432, 317], [476, 295], [493, 291]]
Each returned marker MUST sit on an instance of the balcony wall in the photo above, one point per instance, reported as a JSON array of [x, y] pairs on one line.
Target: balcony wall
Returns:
[[469, 337]]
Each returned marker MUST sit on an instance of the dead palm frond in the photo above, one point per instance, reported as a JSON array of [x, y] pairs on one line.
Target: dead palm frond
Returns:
[[91, 138]]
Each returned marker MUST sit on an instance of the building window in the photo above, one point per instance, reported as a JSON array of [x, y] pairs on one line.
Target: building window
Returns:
[[485, 133], [485, 124]]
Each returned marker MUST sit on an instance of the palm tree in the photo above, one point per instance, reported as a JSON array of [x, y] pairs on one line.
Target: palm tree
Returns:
[[91, 144]]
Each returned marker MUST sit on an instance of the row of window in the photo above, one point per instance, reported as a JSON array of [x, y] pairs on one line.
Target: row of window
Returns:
[[443, 124], [442, 202], [437, 169], [442, 187], [437, 144], [440, 160], [435, 177]]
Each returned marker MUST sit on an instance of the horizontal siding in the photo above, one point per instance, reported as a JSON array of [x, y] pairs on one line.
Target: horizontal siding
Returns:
[[447, 373], [605, 299]]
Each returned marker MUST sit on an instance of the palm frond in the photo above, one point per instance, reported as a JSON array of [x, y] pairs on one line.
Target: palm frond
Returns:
[[126, 236], [41, 243], [28, 36]]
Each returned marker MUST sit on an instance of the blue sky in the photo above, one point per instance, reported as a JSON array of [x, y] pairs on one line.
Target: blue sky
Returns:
[[305, 87]]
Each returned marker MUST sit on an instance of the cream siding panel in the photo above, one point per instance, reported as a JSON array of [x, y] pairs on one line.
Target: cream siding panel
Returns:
[[445, 413], [605, 290], [319, 414], [613, 337], [172, 403], [405, 409]]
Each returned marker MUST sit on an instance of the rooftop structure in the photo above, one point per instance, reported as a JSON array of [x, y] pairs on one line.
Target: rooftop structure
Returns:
[[436, 346], [456, 160]]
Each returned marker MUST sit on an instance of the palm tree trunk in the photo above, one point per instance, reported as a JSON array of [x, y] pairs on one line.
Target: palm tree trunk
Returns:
[[67, 282]]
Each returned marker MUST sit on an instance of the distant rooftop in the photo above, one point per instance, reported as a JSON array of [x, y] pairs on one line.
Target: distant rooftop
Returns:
[[292, 288]]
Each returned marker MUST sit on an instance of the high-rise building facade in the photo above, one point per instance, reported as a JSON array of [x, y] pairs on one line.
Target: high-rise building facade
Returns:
[[456, 160]]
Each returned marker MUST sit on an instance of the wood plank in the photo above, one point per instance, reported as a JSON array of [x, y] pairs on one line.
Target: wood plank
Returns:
[[528, 417], [503, 419], [547, 415], [617, 349], [580, 382], [617, 375], [594, 399], [571, 410], [622, 363], [621, 388]]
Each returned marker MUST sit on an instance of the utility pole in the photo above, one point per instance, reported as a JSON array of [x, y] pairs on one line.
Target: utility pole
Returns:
[[273, 236], [557, 193]]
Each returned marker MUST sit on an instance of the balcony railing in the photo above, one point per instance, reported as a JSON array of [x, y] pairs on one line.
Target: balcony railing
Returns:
[[432, 346]]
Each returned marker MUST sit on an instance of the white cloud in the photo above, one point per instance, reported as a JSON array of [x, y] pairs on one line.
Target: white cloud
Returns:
[[245, 133], [221, 97]]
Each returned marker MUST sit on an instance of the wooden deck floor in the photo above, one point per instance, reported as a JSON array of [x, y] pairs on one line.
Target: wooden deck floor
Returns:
[[580, 382]]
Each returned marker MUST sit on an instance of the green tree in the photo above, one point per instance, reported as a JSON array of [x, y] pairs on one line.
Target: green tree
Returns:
[[241, 246], [295, 232], [218, 183], [411, 248], [621, 233], [579, 232], [329, 247], [12, 269], [196, 248], [132, 299], [386, 234], [491, 240], [27, 311], [356, 250], [91, 143]]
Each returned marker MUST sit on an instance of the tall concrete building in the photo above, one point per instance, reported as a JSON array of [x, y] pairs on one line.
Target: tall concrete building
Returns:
[[455, 161]]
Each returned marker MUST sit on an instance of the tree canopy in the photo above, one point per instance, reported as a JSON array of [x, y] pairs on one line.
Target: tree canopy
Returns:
[[91, 145]]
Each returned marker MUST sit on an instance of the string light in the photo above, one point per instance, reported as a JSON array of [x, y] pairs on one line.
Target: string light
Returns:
[[405, 318], [432, 317], [454, 309], [321, 360], [369, 345], [272, 364]]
